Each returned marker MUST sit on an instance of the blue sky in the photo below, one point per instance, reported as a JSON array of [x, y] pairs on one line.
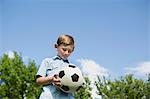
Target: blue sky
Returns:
[[112, 36]]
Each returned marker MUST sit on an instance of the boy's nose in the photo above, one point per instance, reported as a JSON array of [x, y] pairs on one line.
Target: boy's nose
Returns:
[[66, 52]]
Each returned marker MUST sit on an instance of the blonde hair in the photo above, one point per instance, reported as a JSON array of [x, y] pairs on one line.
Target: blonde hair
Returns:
[[65, 40]]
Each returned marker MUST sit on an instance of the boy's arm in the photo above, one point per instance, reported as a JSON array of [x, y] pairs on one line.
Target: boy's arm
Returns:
[[42, 80], [41, 74], [48, 80], [41, 77]]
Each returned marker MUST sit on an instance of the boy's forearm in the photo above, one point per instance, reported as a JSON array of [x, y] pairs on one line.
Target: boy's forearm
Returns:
[[44, 80]]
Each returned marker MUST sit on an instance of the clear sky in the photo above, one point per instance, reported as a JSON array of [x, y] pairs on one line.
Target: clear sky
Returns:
[[112, 36]]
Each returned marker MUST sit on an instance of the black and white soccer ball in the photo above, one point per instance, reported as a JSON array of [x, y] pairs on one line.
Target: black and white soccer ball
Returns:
[[71, 78]]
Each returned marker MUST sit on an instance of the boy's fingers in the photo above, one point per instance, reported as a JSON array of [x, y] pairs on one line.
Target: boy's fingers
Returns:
[[57, 81], [56, 75], [58, 84]]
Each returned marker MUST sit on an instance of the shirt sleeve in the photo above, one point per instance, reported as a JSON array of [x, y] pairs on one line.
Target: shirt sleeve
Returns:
[[43, 67]]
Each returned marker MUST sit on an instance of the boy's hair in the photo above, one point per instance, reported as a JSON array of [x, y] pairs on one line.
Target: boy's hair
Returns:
[[65, 40]]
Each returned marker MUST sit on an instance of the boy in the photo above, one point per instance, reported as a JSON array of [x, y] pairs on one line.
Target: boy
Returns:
[[51, 83]]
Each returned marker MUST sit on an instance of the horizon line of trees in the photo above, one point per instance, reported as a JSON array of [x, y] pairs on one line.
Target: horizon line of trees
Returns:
[[17, 81]]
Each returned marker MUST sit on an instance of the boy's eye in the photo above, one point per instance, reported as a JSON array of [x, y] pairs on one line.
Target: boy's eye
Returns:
[[64, 49]]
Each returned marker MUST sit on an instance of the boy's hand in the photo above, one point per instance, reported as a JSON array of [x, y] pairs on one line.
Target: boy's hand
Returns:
[[56, 80]]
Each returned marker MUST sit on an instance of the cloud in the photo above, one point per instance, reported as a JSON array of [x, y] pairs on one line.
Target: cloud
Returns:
[[141, 69], [10, 54], [91, 69]]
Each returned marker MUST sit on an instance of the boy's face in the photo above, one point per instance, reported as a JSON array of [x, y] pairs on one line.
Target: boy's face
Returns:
[[64, 51]]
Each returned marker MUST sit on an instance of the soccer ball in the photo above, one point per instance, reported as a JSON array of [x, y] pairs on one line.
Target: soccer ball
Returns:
[[71, 79]]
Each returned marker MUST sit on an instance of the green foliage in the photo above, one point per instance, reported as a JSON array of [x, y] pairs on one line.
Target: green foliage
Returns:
[[17, 80], [125, 88], [147, 87], [84, 92]]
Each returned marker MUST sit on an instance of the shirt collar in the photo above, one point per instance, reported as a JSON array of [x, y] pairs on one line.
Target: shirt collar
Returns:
[[59, 58]]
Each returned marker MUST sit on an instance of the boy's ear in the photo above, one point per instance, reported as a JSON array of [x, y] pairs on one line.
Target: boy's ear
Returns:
[[56, 45]]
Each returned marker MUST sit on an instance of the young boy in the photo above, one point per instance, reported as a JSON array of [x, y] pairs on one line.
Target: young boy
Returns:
[[51, 83]]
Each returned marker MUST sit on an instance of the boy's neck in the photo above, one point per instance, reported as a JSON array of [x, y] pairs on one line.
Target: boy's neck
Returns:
[[61, 57]]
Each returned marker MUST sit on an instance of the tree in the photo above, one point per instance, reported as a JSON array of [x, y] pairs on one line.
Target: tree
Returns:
[[127, 87], [147, 93], [17, 80], [85, 91]]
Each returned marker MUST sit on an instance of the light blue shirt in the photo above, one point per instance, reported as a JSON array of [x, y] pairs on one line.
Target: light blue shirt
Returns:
[[50, 91]]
